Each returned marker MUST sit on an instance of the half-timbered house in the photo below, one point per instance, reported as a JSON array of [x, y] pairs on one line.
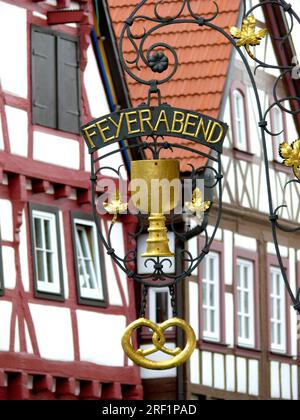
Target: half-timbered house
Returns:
[[63, 303], [236, 301]]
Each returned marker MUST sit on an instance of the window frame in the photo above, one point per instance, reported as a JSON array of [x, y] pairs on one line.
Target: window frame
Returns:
[[87, 219], [280, 348], [243, 341], [153, 291], [239, 87], [63, 35], [54, 212], [252, 257], [218, 248]]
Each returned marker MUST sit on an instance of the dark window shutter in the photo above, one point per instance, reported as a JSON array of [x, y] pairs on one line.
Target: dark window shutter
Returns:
[[44, 96], [68, 85]]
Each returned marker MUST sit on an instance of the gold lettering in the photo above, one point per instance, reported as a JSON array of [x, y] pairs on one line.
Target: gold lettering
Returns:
[[179, 121], [189, 124], [204, 129], [130, 122], [145, 119], [90, 135], [162, 119], [102, 130], [118, 125], [210, 139]]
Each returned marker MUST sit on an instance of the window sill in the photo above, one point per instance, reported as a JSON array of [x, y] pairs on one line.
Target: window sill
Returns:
[[243, 155]]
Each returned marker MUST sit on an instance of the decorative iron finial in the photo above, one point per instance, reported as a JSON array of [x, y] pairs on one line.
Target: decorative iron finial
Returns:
[[291, 156], [247, 35]]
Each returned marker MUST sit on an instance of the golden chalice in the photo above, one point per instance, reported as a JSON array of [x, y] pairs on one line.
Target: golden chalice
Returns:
[[156, 189]]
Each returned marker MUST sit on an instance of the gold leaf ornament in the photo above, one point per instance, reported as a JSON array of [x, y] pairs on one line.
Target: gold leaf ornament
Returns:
[[178, 355], [248, 36], [197, 205], [290, 154], [116, 206]]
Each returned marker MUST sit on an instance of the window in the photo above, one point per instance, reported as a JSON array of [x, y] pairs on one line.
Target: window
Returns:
[[89, 272], [245, 303], [55, 80], [211, 296], [278, 310], [45, 240], [159, 304], [240, 124], [278, 127]]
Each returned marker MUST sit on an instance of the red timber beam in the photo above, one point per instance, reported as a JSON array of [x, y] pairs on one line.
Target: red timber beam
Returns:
[[285, 52]]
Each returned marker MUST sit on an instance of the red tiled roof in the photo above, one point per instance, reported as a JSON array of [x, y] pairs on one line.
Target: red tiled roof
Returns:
[[203, 55]]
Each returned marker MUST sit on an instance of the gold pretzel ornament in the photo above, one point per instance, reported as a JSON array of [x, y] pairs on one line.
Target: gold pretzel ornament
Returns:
[[139, 356]]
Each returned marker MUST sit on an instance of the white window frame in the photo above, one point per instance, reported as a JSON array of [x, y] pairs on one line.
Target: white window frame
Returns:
[[278, 126], [240, 121], [280, 299], [208, 334], [89, 293], [153, 291], [45, 286], [245, 292]]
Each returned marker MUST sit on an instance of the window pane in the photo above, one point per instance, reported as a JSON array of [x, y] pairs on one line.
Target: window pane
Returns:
[[246, 302], [47, 227], [40, 266], [50, 267], [211, 296], [205, 320], [204, 293], [162, 305], [38, 232], [212, 321], [212, 270], [247, 328], [279, 338], [240, 325]]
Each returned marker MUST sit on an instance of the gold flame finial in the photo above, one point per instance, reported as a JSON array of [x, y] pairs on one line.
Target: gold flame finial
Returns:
[[248, 36], [291, 156], [115, 206]]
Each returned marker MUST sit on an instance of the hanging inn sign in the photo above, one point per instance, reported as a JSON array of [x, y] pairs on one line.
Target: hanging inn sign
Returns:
[[162, 211]]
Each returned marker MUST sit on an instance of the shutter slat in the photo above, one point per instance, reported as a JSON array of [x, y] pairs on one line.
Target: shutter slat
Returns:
[[68, 86], [44, 97]]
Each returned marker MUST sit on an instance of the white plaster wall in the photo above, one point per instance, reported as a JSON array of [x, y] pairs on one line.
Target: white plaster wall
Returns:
[[275, 382], [159, 356], [228, 256], [6, 220], [113, 161], [295, 382], [17, 336], [285, 381], [283, 250], [94, 87], [194, 367], [54, 332], [100, 338], [114, 295], [63, 254], [229, 319], [207, 379], [241, 369], [253, 377], [17, 122], [192, 247], [230, 373], [194, 307], [1, 137], [245, 242], [9, 267], [13, 52], [28, 340], [5, 318], [219, 372], [55, 150], [117, 239], [24, 254]]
